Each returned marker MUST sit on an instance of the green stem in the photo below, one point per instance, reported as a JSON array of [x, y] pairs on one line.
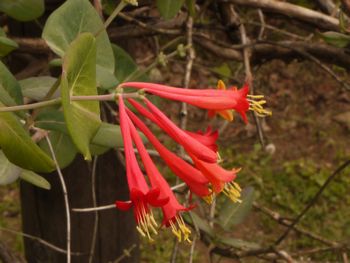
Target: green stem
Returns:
[[109, 20], [107, 97]]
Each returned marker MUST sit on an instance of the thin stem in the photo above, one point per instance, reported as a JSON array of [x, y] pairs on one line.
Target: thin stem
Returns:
[[65, 196], [106, 97], [39, 240], [94, 203], [312, 201], [111, 206], [115, 13]]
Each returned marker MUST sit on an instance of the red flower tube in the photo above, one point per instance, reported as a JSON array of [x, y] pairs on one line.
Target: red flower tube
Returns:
[[171, 210], [190, 144], [197, 183], [219, 100], [140, 194]]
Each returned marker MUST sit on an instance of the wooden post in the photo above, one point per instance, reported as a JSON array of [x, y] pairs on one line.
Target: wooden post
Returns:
[[43, 214]]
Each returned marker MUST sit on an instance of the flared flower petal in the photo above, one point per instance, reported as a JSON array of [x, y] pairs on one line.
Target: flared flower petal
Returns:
[[208, 138], [141, 197], [220, 178], [171, 210]]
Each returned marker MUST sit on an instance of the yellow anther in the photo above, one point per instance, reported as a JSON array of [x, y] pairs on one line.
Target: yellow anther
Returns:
[[209, 198], [255, 104], [146, 223], [180, 230], [255, 96], [233, 191]]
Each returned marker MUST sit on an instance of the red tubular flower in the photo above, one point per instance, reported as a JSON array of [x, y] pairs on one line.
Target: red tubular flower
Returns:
[[171, 210], [140, 194], [190, 144], [220, 178], [219, 100], [195, 180], [208, 138]]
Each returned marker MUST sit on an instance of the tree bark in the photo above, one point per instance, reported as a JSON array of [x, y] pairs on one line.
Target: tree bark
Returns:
[[43, 214]]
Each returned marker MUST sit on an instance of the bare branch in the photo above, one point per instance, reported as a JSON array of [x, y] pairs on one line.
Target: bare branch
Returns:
[[294, 11]]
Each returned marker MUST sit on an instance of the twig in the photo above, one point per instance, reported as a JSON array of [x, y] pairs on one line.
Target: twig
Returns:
[[107, 97], [312, 201], [41, 241], [281, 220], [126, 253], [294, 11], [315, 60], [65, 196], [249, 80], [112, 206], [94, 202], [193, 245], [263, 24]]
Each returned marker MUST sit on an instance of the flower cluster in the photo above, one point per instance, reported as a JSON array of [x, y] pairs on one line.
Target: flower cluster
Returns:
[[204, 176]]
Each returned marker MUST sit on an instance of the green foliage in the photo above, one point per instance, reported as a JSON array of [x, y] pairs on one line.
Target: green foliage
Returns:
[[6, 45], [22, 10], [35, 179], [10, 90], [79, 78], [18, 146], [36, 88], [73, 18], [8, 171], [234, 214], [336, 39], [63, 147], [169, 8]]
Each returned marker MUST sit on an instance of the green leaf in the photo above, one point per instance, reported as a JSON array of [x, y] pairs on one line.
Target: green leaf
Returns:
[[10, 90], [52, 120], [8, 171], [235, 213], [36, 88], [63, 147], [23, 10], [35, 179], [108, 135], [79, 78], [6, 45], [18, 146], [73, 18], [169, 8], [202, 224], [237, 243], [125, 65], [336, 39]]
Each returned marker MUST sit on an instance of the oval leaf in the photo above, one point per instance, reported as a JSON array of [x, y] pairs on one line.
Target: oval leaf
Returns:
[[67, 22], [108, 135], [10, 90], [23, 10], [36, 88], [35, 179], [6, 46], [8, 171], [18, 146], [79, 78], [63, 147], [234, 214]]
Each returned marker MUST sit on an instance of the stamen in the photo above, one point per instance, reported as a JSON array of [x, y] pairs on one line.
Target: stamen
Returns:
[[255, 96], [209, 198], [233, 191], [180, 230], [146, 223], [255, 104]]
